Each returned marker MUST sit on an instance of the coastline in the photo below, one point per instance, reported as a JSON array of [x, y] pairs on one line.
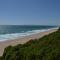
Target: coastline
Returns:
[[24, 39]]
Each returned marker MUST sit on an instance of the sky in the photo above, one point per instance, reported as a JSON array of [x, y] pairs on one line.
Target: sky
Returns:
[[29, 12]]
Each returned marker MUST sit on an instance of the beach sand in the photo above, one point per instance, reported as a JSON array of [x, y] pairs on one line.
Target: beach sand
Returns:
[[23, 40]]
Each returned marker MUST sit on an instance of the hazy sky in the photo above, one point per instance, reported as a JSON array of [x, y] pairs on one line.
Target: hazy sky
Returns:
[[21, 12]]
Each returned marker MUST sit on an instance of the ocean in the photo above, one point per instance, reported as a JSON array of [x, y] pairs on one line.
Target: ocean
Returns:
[[9, 32]]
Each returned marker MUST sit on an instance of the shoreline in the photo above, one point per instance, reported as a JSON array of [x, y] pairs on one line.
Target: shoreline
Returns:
[[23, 40], [22, 35]]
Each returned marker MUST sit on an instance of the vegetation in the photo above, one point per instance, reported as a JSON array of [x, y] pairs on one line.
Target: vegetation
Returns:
[[46, 48]]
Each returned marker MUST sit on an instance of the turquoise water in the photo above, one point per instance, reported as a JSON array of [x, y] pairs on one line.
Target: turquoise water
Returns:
[[8, 32]]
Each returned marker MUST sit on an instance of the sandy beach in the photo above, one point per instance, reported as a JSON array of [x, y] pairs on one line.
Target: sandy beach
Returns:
[[23, 40]]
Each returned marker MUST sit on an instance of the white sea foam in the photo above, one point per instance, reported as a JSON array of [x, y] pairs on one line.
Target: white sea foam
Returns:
[[4, 37]]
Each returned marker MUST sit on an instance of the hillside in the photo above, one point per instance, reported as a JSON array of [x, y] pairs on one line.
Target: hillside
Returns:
[[45, 48]]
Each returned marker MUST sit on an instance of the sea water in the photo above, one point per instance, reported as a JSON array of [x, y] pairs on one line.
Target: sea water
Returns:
[[9, 32]]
